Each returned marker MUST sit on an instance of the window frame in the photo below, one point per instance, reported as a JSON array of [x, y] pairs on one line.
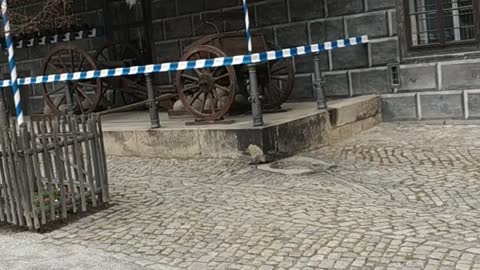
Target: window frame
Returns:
[[440, 21]]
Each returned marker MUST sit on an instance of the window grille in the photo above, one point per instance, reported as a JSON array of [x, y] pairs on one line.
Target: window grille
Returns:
[[442, 22]]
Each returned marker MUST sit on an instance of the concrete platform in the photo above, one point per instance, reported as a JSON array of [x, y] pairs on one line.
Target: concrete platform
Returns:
[[301, 127]]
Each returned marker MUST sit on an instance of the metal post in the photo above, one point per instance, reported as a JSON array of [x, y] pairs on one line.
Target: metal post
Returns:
[[11, 63], [255, 97], [152, 104], [319, 83], [68, 98]]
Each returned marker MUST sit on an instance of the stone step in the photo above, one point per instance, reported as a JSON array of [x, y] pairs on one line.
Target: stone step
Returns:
[[299, 128]]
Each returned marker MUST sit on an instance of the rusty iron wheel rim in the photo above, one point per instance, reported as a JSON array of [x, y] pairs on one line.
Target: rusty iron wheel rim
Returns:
[[282, 72], [206, 83], [86, 63], [124, 48]]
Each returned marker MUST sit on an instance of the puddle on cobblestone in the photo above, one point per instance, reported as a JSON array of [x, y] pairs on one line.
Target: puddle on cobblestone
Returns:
[[298, 165]]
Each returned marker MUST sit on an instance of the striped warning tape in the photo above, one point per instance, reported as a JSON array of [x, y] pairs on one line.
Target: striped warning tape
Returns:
[[247, 27], [184, 65]]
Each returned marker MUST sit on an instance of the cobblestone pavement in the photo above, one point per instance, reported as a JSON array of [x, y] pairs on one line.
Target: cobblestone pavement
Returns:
[[26, 252], [400, 197]]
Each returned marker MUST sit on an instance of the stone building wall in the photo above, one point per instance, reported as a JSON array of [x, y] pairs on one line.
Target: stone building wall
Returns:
[[437, 83], [432, 83], [349, 71]]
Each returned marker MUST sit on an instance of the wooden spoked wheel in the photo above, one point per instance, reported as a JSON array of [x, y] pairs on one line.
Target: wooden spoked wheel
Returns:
[[113, 54], [206, 93], [279, 85], [85, 94], [275, 80], [129, 88]]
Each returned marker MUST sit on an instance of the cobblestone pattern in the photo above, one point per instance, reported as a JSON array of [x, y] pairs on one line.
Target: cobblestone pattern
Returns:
[[401, 197]]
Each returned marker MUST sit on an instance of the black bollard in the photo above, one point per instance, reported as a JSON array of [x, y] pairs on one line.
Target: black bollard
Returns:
[[69, 99], [255, 97], [152, 103], [319, 83]]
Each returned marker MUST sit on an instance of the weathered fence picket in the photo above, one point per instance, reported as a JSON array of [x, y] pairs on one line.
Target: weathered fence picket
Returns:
[[88, 162], [38, 176], [31, 177], [47, 169], [69, 174], [103, 157], [7, 179], [51, 168]]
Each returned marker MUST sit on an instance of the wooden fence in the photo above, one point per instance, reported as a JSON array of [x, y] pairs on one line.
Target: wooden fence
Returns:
[[51, 168]]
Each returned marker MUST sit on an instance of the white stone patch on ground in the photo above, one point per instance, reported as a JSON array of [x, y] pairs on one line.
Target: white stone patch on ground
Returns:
[[297, 165]]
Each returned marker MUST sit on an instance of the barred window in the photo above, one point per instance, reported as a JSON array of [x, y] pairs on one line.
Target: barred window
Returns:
[[442, 22]]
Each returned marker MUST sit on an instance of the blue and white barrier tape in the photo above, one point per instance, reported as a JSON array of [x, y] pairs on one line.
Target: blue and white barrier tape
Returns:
[[185, 65], [11, 63], [247, 27]]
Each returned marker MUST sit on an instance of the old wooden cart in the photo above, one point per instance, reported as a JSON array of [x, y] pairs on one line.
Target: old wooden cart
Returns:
[[96, 94], [207, 94], [210, 92]]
